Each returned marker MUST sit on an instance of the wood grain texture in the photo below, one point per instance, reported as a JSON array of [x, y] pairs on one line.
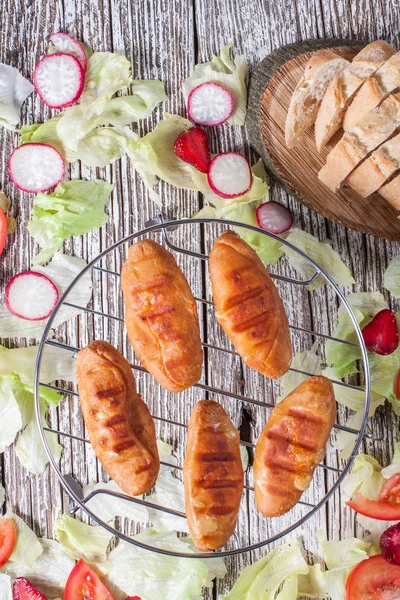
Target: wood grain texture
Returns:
[[164, 39]]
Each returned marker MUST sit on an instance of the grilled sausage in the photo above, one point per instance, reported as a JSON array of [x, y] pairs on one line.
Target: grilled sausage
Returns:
[[120, 426], [213, 476], [249, 308], [292, 444], [161, 316]]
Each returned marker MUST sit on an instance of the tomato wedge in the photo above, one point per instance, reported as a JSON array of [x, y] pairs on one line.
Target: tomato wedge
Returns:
[[386, 508], [84, 584], [7, 540], [3, 230], [374, 579]]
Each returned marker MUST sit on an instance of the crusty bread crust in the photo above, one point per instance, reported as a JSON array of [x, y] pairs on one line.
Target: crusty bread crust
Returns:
[[322, 67], [213, 476], [374, 90], [342, 88], [161, 316], [375, 170], [357, 143], [292, 444], [391, 192]]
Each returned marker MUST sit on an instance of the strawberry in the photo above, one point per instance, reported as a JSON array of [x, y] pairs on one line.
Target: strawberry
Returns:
[[381, 335], [24, 590], [191, 146]]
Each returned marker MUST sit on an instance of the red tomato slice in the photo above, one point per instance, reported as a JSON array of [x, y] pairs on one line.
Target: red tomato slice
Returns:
[[3, 230], [84, 584], [390, 491], [374, 579], [386, 508], [7, 540]]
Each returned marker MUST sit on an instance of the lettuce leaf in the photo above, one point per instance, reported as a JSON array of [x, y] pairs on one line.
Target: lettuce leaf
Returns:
[[27, 547], [101, 147], [14, 89], [57, 363], [369, 303], [308, 361], [153, 576], [384, 370], [2, 496], [80, 540], [5, 587], [391, 277], [61, 270], [230, 74], [365, 477], [74, 208], [314, 584], [48, 573], [109, 507], [342, 356], [264, 578], [324, 256], [10, 415], [43, 133], [394, 466]]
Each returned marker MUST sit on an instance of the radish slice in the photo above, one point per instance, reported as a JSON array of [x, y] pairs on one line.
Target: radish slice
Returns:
[[229, 175], [274, 217], [36, 167], [31, 296], [65, 44], [210, 104], [59, 80]]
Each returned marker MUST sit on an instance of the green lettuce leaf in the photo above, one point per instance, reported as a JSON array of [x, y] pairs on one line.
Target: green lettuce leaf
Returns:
[[27, 547], [80, 540], [101, 147], [230, 74], [43, 133], [61, 270], [57, 363], [13, 92], [307, 361], [48, 573], [74, 208], [314, 584], [6, 592], [369, 303], [10, 415], [391, 277], [384, 371], [365, 477], [264, 578], [342, 356], [153, 576], [322, 253], [109, 507]]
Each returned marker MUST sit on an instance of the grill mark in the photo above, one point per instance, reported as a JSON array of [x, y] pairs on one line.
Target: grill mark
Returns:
[[245, 296], [219, 510], [151, 285], [163, 310], [115, 420], [245, 325], [220, 484], [216, 456], [145, 467], [124, 445], [111, 391], [276, 490], [288, 437], [276, 463], [301, 414]]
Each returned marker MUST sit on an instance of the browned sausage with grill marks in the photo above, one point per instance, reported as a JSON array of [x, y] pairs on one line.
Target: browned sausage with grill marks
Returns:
[[213, 476], [120, 426], [292, 444], [249, 307], [161, 316]]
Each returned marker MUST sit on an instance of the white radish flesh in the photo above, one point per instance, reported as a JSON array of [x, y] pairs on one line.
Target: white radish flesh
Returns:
[[229, 175], [36, 167], [274, 217], [210, 104], [31, 296], [59, 80], [66, 44]]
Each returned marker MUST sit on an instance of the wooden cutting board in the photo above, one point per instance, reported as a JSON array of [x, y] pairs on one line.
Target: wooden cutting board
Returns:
[[272, 84]]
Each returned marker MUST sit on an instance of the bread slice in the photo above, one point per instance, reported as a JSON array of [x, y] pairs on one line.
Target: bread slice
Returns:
[[341, 90], [391, 192], [357, 143], [322, 67], [375, 89], [373, 172]]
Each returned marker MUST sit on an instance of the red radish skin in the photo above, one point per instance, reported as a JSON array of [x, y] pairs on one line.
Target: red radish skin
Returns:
[[381, 335], [59, 80], [35, 167], [24, 590], [229, 175], [390, 544], [66, 44], [31, 296], [210, 104], [274, 217], [191, 146]]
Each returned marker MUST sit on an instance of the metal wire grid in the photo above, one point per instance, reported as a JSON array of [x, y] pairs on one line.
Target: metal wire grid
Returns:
[[72, 488]]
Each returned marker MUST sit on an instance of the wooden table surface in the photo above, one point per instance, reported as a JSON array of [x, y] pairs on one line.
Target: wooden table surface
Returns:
[[164, 39]]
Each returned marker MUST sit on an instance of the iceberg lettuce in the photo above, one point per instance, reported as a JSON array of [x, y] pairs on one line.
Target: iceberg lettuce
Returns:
[[27, 547], [365, 477], [391, 277], [308, 361], [10, 415], [6, 592], [227, 72], [80, 540], [74, 208], [14, 89]]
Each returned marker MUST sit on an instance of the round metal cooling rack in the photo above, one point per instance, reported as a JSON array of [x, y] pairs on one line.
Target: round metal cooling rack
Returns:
[[161, 225]]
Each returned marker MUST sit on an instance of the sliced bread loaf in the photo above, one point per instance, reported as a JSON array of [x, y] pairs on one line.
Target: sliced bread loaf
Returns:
[[391, 192], [322, 67], [375, 89], [362, 139], [375, 170], [342, 88]]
